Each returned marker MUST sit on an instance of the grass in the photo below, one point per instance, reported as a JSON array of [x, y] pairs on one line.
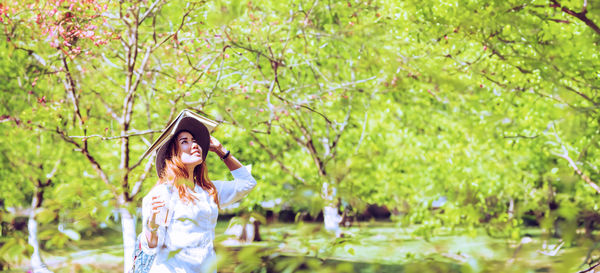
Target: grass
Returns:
[[369, 247]]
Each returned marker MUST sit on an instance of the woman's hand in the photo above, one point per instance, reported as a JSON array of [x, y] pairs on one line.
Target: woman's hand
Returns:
[[216, 147], [157, 204], [231, 162]]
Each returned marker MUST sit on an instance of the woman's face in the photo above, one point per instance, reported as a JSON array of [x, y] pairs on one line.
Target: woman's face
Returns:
[[190, 151]]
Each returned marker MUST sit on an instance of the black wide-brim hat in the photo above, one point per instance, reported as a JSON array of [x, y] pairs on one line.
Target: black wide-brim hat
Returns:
[[193, 126]]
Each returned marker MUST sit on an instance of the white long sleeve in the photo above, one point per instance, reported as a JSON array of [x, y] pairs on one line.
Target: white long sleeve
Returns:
[[232, 191]]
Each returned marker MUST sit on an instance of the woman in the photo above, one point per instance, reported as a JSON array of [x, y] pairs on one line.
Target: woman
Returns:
[[191, 198]]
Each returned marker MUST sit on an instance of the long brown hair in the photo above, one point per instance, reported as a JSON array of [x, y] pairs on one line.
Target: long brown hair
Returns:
[[174, 171]]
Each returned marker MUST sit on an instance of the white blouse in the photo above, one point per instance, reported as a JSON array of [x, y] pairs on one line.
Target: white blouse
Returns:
[[190, 234]]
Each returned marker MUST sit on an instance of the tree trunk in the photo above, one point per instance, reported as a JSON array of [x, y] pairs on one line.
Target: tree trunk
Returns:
[[37, 264], [331, 216], [129, 236]]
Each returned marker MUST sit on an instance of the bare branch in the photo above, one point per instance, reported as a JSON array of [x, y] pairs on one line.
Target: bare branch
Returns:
[[565, 155], [589, 269], [293, 135], [362, 134], [520, 136], [108, 108], [274, 157], [70, 87], [257, 52], [303, 106], [148, 11], [185, 15], [138, 183], [346, 84], [130, 134], [89, 157], [340, 131], [135, 165], [579, 15], [310, 145], [141, 70], [203, 72], [51, 174]]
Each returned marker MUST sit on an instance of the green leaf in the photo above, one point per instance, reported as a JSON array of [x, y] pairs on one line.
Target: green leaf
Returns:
[[173, 253], [351, 251]]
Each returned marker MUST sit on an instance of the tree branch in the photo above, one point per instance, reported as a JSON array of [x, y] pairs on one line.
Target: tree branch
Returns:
[[565, 155], [185, 15], [304, 106], [520, 136], [138, 184], [589, 269], [310, 145], [70, 87], [274, 157], [579, 15], [89, 157], [362, 134], [130, 134], [340, 131], [148, 11], [259, 53], [51, 174], [109, 109]]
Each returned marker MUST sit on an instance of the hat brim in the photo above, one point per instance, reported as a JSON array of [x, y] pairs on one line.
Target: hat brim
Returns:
[[194, 127]]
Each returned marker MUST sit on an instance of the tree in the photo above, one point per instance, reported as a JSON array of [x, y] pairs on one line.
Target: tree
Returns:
[[83, 36], [300, 83], [460, 114]]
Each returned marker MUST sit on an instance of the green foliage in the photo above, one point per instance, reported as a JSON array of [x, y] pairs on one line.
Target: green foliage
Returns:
[[401, 104]]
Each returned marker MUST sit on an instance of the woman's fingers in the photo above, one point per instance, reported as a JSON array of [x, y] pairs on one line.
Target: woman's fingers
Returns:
[[158, 202], [156, 205], [214, 144]]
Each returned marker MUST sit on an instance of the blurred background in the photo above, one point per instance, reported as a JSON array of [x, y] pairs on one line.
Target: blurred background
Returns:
[[385, 136]]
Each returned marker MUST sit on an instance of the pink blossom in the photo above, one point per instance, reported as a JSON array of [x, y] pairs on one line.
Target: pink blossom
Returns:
[[88, 34], [181, 80]]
